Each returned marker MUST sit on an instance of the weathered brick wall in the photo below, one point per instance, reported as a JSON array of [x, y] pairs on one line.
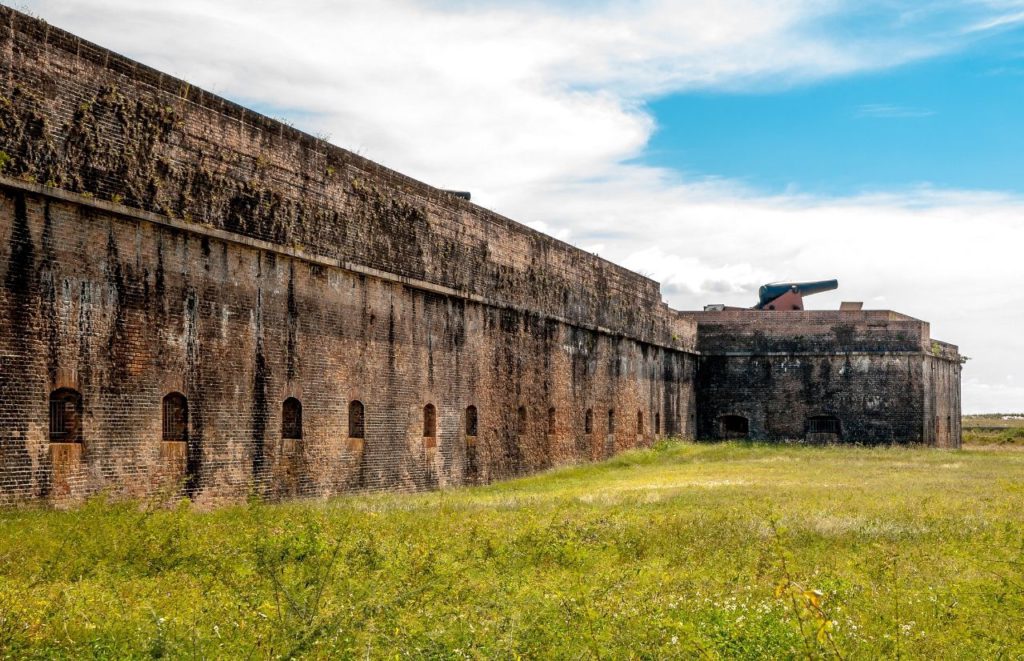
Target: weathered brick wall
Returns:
[[813, 330], [941, 375], [126, 310], [876, 373], [78, 117], [157, 239]]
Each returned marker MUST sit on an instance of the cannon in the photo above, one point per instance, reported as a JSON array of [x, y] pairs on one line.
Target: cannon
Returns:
[[790, 295]]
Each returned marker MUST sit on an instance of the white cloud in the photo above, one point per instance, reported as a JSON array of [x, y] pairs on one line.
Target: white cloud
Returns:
[[538, 109], [1006, 18], [891, 111]]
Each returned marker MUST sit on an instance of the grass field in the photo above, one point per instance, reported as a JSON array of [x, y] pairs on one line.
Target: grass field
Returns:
[[727, 550], [994, 428]]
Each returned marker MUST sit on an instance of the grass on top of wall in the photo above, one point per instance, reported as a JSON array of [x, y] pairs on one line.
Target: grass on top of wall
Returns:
[[728, 550]]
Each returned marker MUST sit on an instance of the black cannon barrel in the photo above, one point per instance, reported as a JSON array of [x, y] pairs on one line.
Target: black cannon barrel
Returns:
[[768, 293]]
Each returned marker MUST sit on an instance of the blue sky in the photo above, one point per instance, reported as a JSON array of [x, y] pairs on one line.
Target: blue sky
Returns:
[[712, 145], [953, 121]]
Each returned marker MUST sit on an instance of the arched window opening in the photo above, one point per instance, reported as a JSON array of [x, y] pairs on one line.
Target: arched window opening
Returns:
[[824, 428], [551, 420], [471, 421], [657, 423], [639, 422], [588, 422], [175, 417], [733, 426], [291, 419], [429, 421], [355, 419], [521, 420], [65, 416], [611, 421]]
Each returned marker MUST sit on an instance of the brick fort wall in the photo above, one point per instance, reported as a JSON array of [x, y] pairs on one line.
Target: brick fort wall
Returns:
[[853, 376], [321, 324], [198, 299]]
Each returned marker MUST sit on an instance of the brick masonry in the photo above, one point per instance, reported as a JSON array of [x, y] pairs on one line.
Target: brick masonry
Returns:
[[158, 240], [878, 374]]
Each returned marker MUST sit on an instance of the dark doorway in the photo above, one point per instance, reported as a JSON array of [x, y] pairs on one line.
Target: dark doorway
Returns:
[[356, 427], [824, 429], [733, 426], [175, 417], [65, 416], [291, 419]]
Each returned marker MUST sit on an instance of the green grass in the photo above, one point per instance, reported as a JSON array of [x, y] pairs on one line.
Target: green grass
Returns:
[[727, 551], [993, 429]]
